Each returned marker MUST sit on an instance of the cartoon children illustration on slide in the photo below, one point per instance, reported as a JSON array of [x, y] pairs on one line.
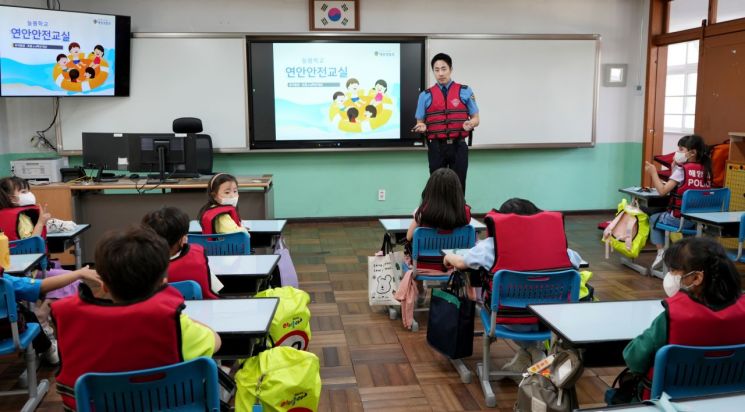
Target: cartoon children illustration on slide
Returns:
[[354, 94], [97, 55], [357, 112], [62, 61], [93, 68], [75, 54]]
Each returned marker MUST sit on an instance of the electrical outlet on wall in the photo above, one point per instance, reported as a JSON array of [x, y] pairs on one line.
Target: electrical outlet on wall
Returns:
[[381, 194]]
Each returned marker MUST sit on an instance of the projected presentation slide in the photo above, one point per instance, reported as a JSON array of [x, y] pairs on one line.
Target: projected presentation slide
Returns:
[[337, 91], [50, 53]]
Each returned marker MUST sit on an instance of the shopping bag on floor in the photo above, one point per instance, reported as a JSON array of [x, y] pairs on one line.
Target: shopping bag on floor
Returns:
[[287, 271], [384, 274], [451, 318]]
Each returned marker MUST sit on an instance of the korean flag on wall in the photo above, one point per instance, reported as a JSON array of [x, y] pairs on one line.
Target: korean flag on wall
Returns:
[[334, 15]]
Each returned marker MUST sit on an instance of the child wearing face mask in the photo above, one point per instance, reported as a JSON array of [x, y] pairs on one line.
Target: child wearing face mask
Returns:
[[691, 169], [220, 214], [705, 305], [20, 217], [188, 261]]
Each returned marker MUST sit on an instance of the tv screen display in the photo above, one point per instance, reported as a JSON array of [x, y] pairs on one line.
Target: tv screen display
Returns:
[[61, 53], [320, 93]]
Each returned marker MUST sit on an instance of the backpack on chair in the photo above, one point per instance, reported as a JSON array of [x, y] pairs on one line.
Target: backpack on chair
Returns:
[[628, 232]]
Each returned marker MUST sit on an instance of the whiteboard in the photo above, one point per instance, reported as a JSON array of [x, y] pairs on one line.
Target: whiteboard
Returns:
[[171, 77], [530, 90]]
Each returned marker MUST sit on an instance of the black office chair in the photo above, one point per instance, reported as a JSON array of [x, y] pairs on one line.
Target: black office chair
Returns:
[[203, 142]]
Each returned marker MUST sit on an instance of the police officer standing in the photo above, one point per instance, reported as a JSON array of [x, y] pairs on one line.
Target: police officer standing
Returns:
[[446, 113]]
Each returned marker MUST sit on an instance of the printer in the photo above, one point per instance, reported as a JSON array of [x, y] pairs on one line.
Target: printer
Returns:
[[39, 170]]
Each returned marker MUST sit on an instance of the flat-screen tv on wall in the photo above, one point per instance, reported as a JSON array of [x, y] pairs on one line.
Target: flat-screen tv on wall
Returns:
[[63, 53], [321, 92]]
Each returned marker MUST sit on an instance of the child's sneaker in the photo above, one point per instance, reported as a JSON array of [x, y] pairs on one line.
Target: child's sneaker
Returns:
[[658, 259], [51, 355], [519, 363], [536, 354]]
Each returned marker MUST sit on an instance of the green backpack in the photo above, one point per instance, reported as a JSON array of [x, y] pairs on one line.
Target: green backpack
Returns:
[[280, 379], [627, 233], [291, 323]]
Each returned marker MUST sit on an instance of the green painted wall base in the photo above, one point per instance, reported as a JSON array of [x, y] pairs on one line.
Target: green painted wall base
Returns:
[[336, 184]]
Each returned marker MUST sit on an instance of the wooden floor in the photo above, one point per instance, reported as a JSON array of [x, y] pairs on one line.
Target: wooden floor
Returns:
[[371, 363]]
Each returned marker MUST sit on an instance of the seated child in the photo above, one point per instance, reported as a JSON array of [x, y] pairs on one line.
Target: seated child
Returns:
[[20, 217], [443, 205], [133, 321], [29, 290], [220, 214], [705, 304], [482, 255], [188, 261]]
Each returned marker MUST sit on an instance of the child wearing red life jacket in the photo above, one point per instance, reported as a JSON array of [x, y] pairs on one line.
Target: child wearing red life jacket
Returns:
[[134, 321], [691, 169], [29, 289], [220, 214], [20, 217], [483, 256], [705, 305], [443, 205], [188, 261]]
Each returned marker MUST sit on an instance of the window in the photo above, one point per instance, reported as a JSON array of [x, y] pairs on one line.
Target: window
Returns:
[[687, 14], [680, 87], [730, 10]]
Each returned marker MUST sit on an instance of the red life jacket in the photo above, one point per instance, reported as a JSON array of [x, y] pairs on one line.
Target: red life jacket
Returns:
[[209, 218], [694, 177], [531, 243], [9, 218], [435, 262], [192, 265], [445, 115], [100, 336], [694, 324]]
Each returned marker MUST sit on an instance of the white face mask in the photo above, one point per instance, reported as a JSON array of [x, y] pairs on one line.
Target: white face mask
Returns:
[[680, 158], [229, 201], [26, 199], [671, 283]]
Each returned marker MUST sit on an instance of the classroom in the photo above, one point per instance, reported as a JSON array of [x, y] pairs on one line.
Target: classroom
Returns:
[[602, 142]]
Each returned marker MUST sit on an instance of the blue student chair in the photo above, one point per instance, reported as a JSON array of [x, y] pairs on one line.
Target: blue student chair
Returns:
[[33, 244], [685, 371], [21, 342], [518, 290], [697, 201], [189, 288], [740, 241], [238, 243], [186, 386], [427, 245]]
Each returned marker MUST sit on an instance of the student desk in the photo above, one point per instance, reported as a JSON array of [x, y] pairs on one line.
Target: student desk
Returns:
[[263, 232], [731, 402], [115, 205], [718, 224], [397, 228], [21, 264], [601, 330], [60, 241], [241, 323], [648, 200], [244, 274]]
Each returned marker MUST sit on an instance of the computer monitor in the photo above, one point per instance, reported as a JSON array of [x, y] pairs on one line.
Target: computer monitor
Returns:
[[102, 151], [173, 155], [161, 153]]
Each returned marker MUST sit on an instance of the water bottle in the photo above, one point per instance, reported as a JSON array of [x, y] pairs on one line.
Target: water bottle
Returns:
[[4, 251]]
